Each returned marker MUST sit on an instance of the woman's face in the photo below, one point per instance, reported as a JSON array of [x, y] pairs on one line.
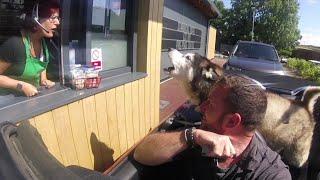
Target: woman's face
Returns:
[[50, 24]]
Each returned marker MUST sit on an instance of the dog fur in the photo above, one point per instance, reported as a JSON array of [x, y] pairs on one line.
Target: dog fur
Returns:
[[288, 126]]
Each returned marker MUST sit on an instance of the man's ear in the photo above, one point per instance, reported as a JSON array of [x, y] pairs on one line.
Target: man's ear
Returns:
[[233, 120]]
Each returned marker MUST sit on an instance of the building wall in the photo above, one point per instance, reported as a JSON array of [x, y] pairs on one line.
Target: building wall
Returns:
[[211, 47], [308, 54], [95, 131], [185, 17]]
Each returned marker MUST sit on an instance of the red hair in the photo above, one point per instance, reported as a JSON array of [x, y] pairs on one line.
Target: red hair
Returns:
[[46, 9]]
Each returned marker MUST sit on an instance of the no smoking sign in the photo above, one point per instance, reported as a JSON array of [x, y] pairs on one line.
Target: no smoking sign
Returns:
[[96, 58]]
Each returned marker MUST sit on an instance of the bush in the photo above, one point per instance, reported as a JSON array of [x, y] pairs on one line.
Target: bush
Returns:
[[285, 52], [308, 70]]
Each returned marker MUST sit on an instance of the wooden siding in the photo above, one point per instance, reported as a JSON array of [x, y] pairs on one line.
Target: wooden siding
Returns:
[[211, 47], [95, 131]]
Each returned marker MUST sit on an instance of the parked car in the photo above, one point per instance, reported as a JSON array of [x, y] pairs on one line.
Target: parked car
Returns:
[[254, 56]]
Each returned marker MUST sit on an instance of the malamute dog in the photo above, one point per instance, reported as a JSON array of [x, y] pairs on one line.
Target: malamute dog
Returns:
[[288, 125]]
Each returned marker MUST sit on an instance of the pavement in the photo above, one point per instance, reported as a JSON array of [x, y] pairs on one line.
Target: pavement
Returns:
[[172, 96]]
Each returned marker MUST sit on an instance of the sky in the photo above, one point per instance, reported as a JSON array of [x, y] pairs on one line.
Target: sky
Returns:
[[309, 23]]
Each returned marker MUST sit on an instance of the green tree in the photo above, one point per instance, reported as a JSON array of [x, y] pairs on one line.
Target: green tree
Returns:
[[276, 22], [221, 23]]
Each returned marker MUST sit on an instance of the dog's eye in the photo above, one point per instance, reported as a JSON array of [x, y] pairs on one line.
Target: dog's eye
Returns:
[[188, 57]]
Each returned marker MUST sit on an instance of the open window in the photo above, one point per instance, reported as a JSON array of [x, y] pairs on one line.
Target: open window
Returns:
[[104, 38]]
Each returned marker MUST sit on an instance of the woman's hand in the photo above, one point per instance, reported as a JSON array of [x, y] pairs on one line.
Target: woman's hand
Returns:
[[28, 89], [47, 83], [215, 145]]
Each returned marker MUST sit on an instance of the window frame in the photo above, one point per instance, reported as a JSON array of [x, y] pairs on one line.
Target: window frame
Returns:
[[131, 21], [85, 44]]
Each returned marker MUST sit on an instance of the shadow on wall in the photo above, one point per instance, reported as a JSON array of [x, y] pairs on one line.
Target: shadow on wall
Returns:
[[43, 165], [32, 154], [102, 154]]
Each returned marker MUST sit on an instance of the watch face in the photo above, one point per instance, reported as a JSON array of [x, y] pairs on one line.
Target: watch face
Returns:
[[190, 137]]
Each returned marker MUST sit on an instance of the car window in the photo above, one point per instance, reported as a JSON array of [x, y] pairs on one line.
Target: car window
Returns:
[[256, 51]]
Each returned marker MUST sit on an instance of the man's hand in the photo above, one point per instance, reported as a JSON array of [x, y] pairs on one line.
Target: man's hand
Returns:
[[28, 89], [216, 145]]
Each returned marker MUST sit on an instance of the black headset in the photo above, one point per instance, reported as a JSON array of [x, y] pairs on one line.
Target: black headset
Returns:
[[35, 16]]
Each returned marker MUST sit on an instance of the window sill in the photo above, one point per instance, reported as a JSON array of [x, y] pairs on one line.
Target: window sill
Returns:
[[16, 109]]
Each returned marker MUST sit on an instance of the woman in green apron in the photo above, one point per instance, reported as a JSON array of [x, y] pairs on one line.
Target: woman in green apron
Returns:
[[23, 60]]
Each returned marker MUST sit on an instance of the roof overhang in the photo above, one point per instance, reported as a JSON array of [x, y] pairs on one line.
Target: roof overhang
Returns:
[[206, 7]]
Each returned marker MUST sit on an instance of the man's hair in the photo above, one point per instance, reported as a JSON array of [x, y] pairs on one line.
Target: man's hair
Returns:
[[246, 98]]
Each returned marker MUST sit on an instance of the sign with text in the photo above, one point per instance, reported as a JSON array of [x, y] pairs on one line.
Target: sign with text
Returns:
[[96, 58]]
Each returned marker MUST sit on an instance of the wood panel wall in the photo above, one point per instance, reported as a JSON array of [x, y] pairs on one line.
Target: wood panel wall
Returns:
[[211, 46], [95, 131]]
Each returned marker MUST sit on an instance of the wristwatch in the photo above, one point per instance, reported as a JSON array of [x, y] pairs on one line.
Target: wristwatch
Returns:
[[19, 86], [189, 136]]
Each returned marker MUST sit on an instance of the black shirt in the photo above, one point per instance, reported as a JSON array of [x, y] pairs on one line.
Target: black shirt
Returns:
[[258, 162], [13, 51]]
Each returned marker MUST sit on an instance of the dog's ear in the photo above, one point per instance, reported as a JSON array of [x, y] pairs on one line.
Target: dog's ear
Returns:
[[218, 70], [205, 63]]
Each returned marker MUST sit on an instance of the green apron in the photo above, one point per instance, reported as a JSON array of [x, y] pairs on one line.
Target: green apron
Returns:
[[34, 66]]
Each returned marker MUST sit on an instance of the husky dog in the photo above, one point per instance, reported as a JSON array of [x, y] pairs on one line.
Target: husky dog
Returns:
[[195, 73], [288, 125]]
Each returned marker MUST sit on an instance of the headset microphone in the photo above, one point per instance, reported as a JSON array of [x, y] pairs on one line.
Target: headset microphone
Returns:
[[35, 17]]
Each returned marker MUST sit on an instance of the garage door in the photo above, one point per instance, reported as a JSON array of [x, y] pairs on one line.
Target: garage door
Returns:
[[184, 28]]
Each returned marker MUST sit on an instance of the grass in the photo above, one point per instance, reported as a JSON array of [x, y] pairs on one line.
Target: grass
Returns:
[[306, 69]]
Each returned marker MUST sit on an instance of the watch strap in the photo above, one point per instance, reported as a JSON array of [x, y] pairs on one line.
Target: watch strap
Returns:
[[189, 136]]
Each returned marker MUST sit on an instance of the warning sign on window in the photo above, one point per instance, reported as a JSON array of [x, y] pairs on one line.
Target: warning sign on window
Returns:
[[96, 58]]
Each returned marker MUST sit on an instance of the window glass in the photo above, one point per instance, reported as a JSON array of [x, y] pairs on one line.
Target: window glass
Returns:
[[109, 33], [256, 51]]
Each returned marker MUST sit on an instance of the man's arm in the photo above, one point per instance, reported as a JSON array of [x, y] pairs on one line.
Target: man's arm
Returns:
[[277, 170], [280, 174], [160, 148], [8, 82]]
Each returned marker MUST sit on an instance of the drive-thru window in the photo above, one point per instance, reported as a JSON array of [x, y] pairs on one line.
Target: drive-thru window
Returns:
[[91, 34]]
